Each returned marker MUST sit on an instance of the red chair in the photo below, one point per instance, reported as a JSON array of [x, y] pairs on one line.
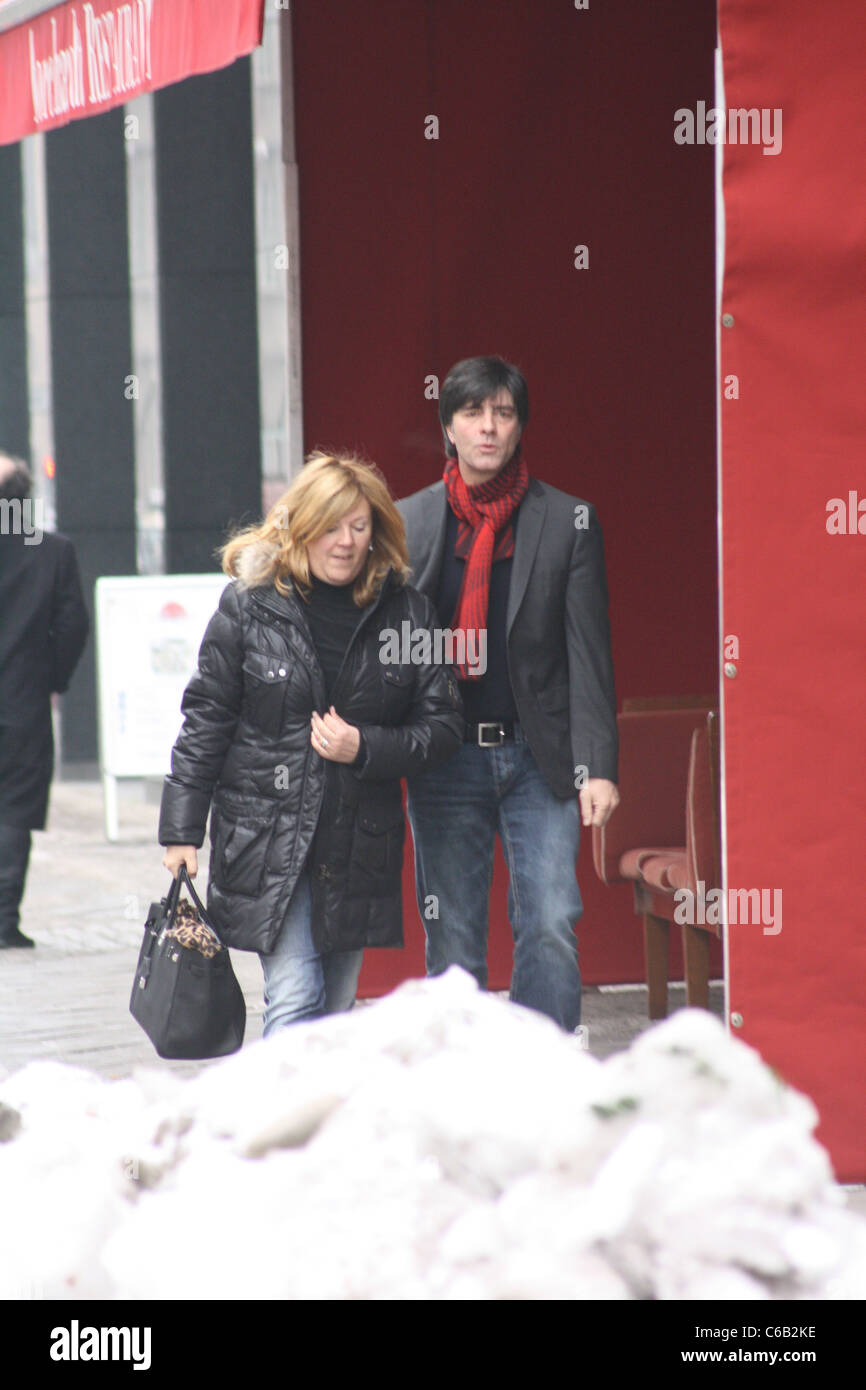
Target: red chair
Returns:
[[664, 836]]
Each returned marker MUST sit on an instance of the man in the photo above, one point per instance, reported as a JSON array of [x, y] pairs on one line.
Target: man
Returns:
[[503, 554], [43, 629]]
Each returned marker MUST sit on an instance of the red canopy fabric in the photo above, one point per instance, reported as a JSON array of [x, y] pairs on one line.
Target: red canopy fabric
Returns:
[[82, 58], [793, 560]]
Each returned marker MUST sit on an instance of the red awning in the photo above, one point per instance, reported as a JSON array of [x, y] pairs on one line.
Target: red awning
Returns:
[[86, 56]]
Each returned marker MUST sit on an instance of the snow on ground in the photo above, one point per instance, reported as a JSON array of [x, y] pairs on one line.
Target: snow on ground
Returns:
[[441, 1144]]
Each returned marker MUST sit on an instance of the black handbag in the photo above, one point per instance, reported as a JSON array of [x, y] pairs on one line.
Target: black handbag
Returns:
[[186, 995]]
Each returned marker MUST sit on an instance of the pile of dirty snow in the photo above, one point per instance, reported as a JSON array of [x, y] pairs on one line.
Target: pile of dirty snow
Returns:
[[440, 1144]]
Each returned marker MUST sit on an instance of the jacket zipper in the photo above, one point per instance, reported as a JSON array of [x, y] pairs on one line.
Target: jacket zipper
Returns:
[[364, 620]]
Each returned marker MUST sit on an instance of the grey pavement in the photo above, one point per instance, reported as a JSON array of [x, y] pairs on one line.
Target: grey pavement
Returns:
[[85, 905]]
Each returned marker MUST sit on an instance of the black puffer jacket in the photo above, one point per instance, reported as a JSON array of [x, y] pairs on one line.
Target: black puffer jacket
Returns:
[[245, 744]]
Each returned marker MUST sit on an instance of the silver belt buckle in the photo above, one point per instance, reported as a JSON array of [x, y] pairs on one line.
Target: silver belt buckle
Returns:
[[495, 743]]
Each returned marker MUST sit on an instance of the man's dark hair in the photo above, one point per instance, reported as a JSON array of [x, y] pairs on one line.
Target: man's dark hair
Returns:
[[15, 481], [471, 381]]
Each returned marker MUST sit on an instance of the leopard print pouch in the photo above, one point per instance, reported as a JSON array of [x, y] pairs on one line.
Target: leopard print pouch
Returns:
[[190, 931]]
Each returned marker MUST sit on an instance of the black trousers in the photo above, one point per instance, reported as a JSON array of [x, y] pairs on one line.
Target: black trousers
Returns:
[[14, 858]]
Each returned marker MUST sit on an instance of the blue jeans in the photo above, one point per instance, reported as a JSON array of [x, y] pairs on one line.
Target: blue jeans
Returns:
[[299, 982], [455, 812]]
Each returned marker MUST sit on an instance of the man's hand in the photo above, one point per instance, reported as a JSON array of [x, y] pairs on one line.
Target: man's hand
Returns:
[[175, 855], [598, 801], [333, 738]]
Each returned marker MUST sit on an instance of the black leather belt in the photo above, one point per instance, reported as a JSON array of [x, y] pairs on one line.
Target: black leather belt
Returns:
[[489, 734]]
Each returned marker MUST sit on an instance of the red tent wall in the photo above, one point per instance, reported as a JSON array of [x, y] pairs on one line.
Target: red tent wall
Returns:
[[794, 594], [556, 128]]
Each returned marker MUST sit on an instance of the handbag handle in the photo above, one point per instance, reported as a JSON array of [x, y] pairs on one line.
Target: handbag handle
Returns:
[[182, 878]]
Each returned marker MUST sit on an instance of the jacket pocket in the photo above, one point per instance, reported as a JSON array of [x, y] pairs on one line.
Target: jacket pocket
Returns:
[[398, 687], [376, 857], [265, 682], [240, 838]]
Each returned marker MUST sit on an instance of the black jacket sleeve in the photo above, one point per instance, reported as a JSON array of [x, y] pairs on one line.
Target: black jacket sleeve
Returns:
[[69, 624], [433, 730], [592, 693], [210, 706]]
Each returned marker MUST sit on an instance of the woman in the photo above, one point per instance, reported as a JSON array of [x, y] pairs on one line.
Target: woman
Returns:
[[298, 731]]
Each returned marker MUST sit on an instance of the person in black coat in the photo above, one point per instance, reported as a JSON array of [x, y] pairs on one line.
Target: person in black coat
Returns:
[[43, 629], [298, 725]]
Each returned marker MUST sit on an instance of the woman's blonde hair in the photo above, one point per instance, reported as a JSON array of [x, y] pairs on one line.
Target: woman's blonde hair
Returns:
[[327, 487]]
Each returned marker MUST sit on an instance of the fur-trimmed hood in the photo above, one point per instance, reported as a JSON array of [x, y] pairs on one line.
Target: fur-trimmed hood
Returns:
[[256, 564]]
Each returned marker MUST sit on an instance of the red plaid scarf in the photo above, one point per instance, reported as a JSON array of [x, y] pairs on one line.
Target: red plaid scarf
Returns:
[[484, 534]]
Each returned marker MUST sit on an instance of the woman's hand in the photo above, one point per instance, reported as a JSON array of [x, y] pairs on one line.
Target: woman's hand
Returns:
[[175, 855], [333, 738]]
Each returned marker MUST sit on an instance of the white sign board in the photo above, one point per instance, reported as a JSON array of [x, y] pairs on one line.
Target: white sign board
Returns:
[[148, 632]]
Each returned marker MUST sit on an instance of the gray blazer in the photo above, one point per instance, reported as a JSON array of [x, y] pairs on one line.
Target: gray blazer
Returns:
[[559, 653]]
